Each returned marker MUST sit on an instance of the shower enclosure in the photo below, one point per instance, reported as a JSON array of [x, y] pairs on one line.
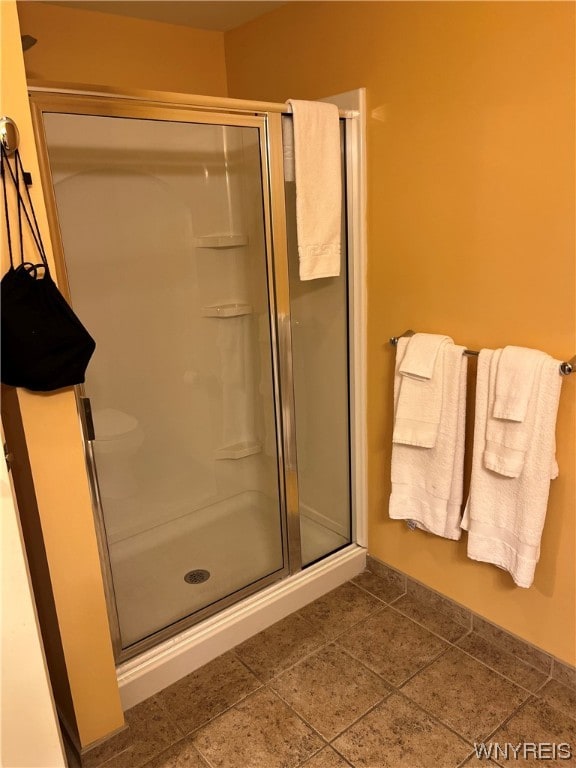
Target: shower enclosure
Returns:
[[215, 410]]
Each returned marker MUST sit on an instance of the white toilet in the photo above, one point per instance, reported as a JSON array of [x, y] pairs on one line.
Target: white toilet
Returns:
[[118, 438]]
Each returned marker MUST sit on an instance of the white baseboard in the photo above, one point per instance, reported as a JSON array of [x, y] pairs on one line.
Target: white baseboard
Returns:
[[153, 670]]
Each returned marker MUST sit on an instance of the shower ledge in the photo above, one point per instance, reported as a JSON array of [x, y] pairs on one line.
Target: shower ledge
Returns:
[[226, 310], [221, 241], [238, 450]]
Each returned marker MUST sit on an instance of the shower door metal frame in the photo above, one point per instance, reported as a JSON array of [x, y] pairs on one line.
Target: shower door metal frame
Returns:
[[268, 123]]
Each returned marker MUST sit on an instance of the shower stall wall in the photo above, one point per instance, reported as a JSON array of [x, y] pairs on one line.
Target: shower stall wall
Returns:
[[205, 409]]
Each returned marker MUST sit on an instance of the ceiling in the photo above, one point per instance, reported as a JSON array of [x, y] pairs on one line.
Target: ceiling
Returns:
[[218, 15]]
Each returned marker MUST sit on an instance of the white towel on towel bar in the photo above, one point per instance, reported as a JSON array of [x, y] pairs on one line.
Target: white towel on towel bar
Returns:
[[318, 187], [421, 384], [504, 516], [507, 438], [514, 379], [427, 483]]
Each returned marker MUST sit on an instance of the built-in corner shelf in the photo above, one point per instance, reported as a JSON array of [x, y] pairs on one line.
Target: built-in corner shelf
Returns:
[[226, 310], [221, 241], [237, 450]]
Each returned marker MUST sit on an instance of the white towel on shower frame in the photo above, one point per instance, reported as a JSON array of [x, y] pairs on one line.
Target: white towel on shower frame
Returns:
[[318, 187]]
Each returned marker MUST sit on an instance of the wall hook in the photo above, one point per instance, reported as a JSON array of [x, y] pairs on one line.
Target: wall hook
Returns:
[[9, 135]]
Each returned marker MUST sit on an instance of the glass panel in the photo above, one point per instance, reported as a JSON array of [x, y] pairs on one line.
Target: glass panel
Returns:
[[319, 314], [164, 241]]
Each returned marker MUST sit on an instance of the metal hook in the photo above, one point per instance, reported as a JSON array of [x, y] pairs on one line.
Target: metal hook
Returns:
[[9, 135]]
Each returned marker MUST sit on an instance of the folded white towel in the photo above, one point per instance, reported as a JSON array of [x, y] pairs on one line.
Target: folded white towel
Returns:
[[505, 516], [514, 380], [318, 188], [420, 397], [507, 440], [427, 483], [421, 354]]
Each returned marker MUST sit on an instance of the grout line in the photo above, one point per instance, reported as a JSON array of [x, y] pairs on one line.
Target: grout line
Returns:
[[331, 745], [321, 647], [437, 719], [301, 717], [175, 743], [426, 665], [381, 675], [312, 756], [418, 706], [325, 642], [226, 709], [358, 719], [356, 624], [507, 719], [167, 712]]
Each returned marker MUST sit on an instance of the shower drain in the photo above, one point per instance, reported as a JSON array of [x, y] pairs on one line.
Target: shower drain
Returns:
[[197, 576]]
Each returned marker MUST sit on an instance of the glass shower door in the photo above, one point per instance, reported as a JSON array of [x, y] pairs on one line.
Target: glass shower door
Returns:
[[164, 231], [320, 353]]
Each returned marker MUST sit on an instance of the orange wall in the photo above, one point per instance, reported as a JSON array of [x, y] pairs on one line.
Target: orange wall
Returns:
[[88, 699], [471, 228], [81, 46]]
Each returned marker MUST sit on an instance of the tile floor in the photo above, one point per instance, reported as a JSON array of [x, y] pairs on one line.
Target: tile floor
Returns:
[[367, 676]]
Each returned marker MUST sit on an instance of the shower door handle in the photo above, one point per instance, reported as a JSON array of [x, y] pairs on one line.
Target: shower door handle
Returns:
[[87, 420]]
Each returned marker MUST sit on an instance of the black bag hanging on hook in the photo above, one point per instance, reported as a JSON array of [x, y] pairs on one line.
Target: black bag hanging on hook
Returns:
[[44, 345]]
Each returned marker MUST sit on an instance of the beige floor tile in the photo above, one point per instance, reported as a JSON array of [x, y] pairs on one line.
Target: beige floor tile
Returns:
[[509, 666], [464, 694], [326, 758], [337, 611], [392, 645], [183, 754], [560, 697], [208, 691], [330, 690], [540, 724], [280, 646], [397, 734], [151, 732], [386, 589], [259, 732], [433, 619]]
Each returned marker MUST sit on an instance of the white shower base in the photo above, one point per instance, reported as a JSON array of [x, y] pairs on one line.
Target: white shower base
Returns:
[[236, 540]]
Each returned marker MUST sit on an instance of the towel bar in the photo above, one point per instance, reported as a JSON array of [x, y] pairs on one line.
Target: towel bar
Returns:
[[566, 368]]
